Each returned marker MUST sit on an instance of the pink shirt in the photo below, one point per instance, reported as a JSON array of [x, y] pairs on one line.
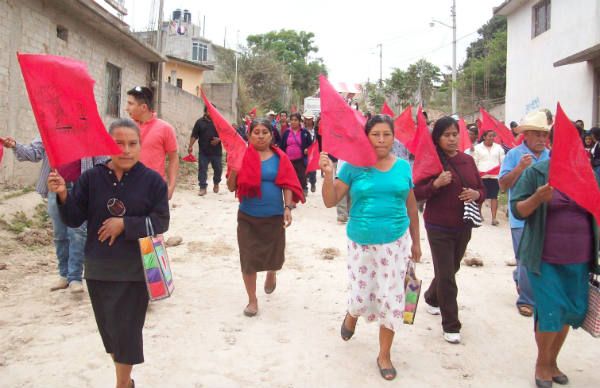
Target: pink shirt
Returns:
[[294, 145], [158, 139]]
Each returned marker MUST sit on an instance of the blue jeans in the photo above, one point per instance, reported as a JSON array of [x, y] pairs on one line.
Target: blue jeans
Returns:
[[215, 162], [69, 243], [520, 273]]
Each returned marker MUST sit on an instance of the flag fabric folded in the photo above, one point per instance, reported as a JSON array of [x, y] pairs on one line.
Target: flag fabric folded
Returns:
[[504, 135], [492, 171], [249, 176], [570, 168], [234, 145], [405, 129], [253, 111], [427, 162], [61, 93], [343, 129], [464, 143], [313, 157], [190, 158], [386, 110]]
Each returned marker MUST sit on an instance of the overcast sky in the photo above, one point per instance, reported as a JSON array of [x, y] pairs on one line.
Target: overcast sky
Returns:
[[346, 32]]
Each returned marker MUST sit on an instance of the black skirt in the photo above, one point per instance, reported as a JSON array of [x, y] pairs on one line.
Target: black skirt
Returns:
[[120, 311], [491, 188]]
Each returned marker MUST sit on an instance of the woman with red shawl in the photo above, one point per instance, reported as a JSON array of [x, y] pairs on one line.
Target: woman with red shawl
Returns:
[[268, 188]]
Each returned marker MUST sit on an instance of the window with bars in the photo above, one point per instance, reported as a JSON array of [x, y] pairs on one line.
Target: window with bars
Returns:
[[113, 90], [541, 17], [199, 52]]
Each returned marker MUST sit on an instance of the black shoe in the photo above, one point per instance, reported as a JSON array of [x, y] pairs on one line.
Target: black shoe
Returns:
[[345, 333], [388, 374], [313, 188], [561, 379], [543, 383]]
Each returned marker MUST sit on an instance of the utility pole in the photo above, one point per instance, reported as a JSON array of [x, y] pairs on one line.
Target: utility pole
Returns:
[[160, 48], [380, 64], [454, 96]]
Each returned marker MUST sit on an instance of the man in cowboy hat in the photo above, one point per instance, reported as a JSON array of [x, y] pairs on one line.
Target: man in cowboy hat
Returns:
[[536, 129]]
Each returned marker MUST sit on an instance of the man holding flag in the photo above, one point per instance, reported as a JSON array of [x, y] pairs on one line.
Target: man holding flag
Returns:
[[535, 128], [68, 242]]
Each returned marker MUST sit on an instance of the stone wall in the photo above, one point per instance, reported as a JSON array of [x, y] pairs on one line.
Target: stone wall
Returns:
[[30, 26]]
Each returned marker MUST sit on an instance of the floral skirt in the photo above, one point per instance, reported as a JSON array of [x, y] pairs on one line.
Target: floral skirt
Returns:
[[376, 281]]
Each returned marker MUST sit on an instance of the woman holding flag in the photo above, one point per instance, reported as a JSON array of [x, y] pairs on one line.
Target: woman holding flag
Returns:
[[488, 157], [267, 187], [447, 232], [383, 235], [559, 248], [116, 199]]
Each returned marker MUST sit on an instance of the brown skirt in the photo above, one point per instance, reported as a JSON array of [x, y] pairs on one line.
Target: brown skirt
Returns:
[[261, 242]]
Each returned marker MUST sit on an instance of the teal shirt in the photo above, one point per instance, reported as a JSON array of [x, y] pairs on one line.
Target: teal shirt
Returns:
[[378, 212]]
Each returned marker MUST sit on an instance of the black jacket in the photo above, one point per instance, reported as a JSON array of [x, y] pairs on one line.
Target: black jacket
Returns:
[[204, 130], [304, 136], [144, 194]]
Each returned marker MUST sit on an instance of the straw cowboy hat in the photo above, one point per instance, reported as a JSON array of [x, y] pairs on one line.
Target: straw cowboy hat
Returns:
[[534, 121]]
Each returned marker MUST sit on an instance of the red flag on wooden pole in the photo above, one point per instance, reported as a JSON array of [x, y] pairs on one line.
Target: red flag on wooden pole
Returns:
[[489, 122], [232, 141], [61, 93], [570, 168], [386, 110], [343, 129], [313, 157], [405, 129], [427, 161], [464, 143]]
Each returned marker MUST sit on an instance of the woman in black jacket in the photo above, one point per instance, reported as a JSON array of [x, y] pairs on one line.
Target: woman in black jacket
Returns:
[[115, 199], [295, 142]]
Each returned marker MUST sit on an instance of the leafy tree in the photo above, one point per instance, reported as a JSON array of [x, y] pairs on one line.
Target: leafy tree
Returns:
[[293, 49], [415, 84]]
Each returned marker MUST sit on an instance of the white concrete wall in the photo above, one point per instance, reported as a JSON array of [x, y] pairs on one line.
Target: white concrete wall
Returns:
[[532, 82]]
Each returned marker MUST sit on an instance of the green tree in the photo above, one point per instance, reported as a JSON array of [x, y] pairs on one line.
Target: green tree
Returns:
[[294, 49], [414, 85]]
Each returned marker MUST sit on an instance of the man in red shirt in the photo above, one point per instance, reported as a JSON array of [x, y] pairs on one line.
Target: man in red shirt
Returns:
[[158, 137]]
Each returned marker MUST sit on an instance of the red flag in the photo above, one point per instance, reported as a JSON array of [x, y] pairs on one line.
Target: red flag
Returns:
[[232, 141], [313, 157], [405, 129], [464, 143], [488, 122], [1, 149], [253, 111], [492, 171], [61, 93], [386, 110], [343, 129], [570, 168], [294, 109], [190, 158], [427, 161]]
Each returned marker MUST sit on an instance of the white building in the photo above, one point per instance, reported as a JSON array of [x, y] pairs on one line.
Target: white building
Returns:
[[553, 55]]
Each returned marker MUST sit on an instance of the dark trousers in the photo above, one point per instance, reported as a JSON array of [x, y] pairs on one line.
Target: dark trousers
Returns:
[[203, 162], [300, 169], [312, 177], [447, 250]]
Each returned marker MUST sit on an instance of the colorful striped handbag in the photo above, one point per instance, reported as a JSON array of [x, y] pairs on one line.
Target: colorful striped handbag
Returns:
[[412, 291], [155, 262], [591, 324]]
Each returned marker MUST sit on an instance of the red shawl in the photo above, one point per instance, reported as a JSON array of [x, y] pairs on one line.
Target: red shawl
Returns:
[[248, 180]]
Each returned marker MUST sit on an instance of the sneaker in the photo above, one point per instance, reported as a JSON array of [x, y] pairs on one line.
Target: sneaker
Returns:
[[215, 189], [433, 310], [313, 188], [202, 192], [60, 284], [75, 287], [453, 338]]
